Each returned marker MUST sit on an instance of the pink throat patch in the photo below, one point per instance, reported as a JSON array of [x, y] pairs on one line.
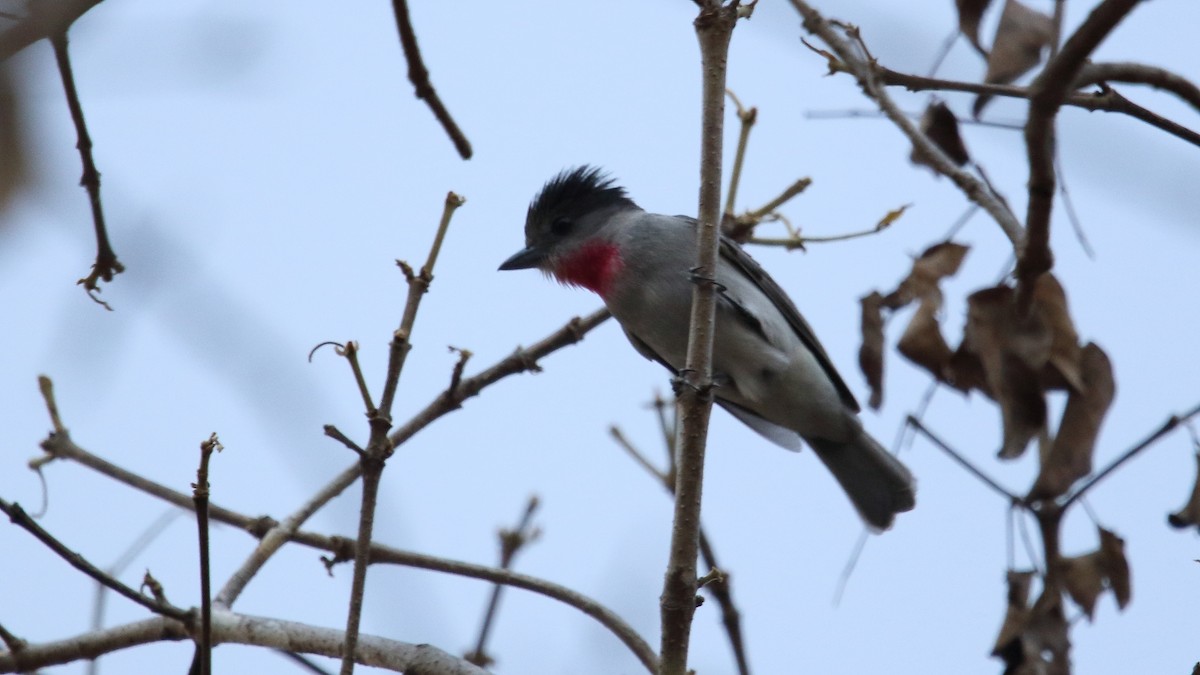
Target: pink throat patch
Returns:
[[593, 266]]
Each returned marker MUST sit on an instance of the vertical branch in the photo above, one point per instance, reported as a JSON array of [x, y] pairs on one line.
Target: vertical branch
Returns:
[[714, 28], [379, 447], [203, 665], [106, 264], [511, 541], [1048, 92]]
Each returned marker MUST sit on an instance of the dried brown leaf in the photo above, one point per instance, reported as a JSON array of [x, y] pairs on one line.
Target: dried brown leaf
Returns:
[[1087, 576], [1020, 38], [941, 126], [969, 14], [1189, 515], [1065, 352], [1070, 457], [1012, 350], [870, 355], [13, 166], [1017, 614], [934, 264], [922, 341], [1116, 566]]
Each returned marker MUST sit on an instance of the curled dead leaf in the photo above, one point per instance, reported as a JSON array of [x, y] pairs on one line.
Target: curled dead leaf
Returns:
[[1070, 457], [13, 165], [1065, 352], [1189, 515], [969, 14], [922, 341], [934, 264], [1087, 576], [1020, 38], [941, 126], [870, 354], [1016, 615], [1012, 350]]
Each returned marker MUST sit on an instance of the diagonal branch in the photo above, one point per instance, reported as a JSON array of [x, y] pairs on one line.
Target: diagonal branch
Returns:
[[418, 74], [18, 516], [106, 265], [849, 59]]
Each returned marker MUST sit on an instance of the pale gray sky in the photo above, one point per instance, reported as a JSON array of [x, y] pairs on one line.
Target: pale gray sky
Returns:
[[265, 163]]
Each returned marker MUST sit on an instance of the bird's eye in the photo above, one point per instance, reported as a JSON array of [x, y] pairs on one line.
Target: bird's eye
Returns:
[[561, 226]]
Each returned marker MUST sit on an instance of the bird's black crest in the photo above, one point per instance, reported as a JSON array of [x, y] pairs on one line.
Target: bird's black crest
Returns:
[[576, 192]]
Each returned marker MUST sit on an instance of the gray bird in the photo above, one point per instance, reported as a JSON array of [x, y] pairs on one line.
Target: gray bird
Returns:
[[769, 369]]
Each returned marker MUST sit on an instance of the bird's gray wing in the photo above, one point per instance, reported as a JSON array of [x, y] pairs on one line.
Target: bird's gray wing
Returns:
[[645, 350], [734, 255]]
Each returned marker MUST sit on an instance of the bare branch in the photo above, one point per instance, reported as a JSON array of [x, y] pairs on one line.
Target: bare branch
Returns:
[[1138, 73], [380, 447], [200, 499], [106, 265], [962, 461], [418, 74], [714, 29], [232, 628], [18, 516], [1166, 428], [1107, 100], [511, 542], [1047, 93], [849, 60]]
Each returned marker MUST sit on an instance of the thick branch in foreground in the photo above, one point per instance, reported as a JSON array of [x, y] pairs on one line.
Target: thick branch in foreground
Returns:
[[714, 29], [247, 630], [1047, 93]]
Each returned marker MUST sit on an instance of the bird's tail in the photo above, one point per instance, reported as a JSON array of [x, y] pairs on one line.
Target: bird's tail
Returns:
[[878, 484]]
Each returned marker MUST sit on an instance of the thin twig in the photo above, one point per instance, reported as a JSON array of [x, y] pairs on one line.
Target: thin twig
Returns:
[[963, 461], [135, 549], [14, 643], [1072, 216], [418, 74], [337, 435], [1166, 428], [747, 117], [511, 542], [272, 541], [796, 241], [106, 265], [343, 549], [200, 498], [721, 590], [1107, 100], [379, 446], [714, 29], [18, 516], [1138, 73], [870, 80]]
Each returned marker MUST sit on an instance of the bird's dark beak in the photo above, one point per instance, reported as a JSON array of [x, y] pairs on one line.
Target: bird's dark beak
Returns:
[[524, 259]]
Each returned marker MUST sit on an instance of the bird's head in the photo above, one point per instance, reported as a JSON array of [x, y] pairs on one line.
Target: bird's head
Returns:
[[564, 229]]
